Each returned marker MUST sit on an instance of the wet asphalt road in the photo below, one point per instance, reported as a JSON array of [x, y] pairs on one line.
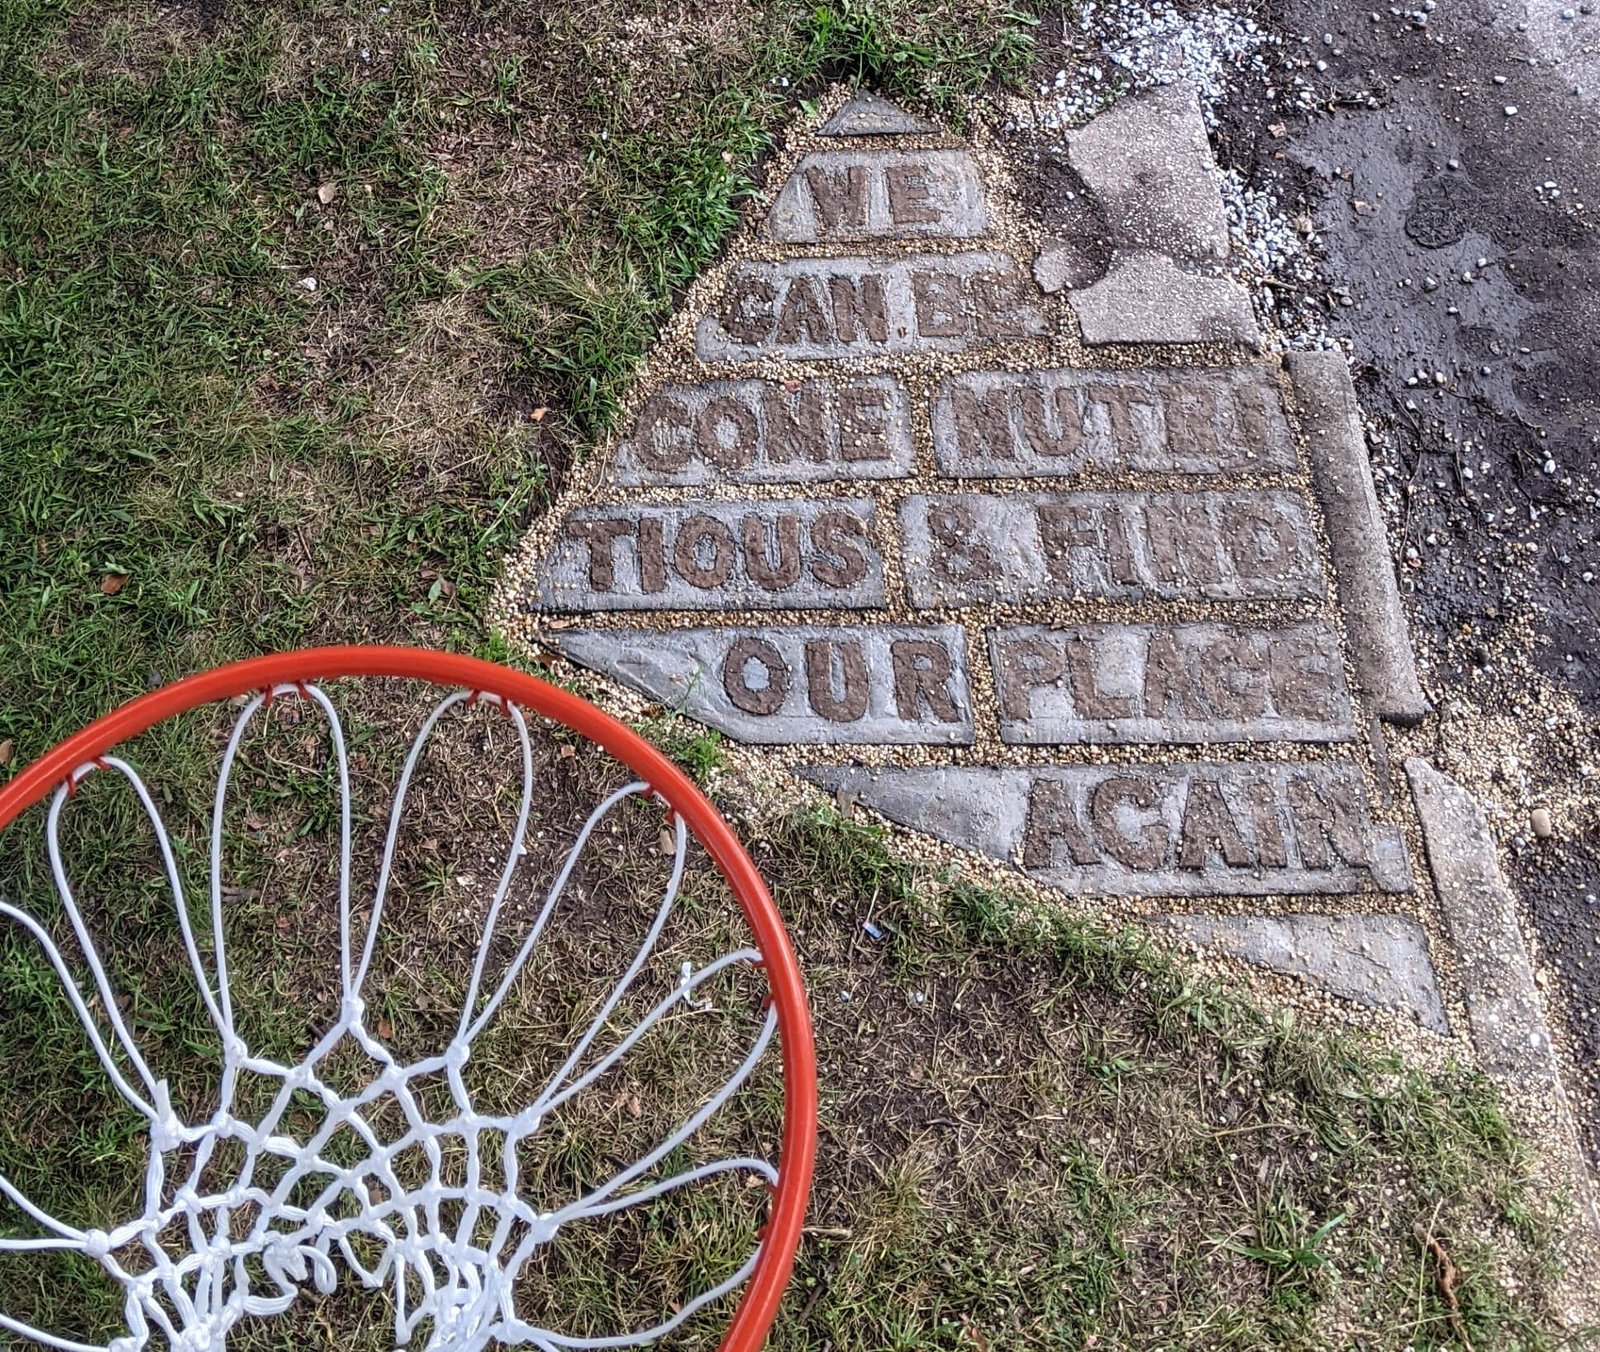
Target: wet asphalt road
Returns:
[[1451, 174]]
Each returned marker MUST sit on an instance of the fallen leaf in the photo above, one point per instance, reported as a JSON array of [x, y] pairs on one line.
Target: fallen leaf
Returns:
[[669, 843], [538, 414], [1278, 130], [112, 583], [1362, 208], [327, 192], [8, 749], [385, 1029], [566, 751]]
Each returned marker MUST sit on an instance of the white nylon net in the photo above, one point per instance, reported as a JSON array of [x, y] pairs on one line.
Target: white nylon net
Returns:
[[449, 1248]]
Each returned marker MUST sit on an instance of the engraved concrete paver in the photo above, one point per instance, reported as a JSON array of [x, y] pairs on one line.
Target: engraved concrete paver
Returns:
[[864, 684], [996, 424], [1220, 546], [769, 432], [880, 194], [1238, 828], [1151, 683], [866, 114], [896, 517], [717, 556], [830, 309]]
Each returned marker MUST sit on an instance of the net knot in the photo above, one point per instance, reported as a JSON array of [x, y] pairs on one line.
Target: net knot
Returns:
[[166, 1133], [457, 1054], [96, 1243], [352, 1008]]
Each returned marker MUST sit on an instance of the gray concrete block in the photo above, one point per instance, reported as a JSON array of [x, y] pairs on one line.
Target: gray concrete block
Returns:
[[1065, 264], [868, 114], [766, 555], [768, 432], [1003, 424], [826, 309], [1147, 298], [1376, 960], [848, 195], [859, 684], [1151, 830], [1342, 476], [966, 548], [1148, 163], [1169, 683], [1504, 1013]]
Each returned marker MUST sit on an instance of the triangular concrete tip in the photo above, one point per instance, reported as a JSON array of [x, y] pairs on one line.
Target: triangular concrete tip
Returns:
[[866, 114]]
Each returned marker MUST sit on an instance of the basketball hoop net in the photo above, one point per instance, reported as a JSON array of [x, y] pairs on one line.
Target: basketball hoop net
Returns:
[[202, 1255]]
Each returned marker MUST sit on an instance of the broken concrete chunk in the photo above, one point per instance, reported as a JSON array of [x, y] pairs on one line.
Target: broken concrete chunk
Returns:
[[1148, 163], [866, 114], [1147, 298]]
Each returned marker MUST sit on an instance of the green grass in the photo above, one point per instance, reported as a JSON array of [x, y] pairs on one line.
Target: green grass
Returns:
[[272, 466], [517, 196]]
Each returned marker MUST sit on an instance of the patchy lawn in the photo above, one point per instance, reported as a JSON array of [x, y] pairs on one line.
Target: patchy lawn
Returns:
[[1034, 1134], [304, 312]]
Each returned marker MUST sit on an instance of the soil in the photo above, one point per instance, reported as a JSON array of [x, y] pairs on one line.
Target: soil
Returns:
[[1468, 293]]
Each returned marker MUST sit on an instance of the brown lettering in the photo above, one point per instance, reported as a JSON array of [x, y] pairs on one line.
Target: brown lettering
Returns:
[[1232, 675], [1053, 823], [1264, 818], [910, 197], [1024, 665], [1208, 826], [941, 302], [764, 699], [797, 424], [1006, 307], [1260, 539], [1304, 663], [696, 534], [801, 313], [652, 554], [658, 440], [1064, 528], [758, 563], [728, 433], [839, 196], [747, 308], [1087, 697], [839, 539], [1114, 400], [850, 704], [961, 554], [1327, 812], [1052, 424], [600, 536], [1191, 419], [1149, 849], [983, 422], [859, 307], [864, 423], [1168, 684], [1183, 542], [922, 671]]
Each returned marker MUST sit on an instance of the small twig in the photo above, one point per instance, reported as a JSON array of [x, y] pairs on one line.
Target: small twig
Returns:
[[1445, 1278]]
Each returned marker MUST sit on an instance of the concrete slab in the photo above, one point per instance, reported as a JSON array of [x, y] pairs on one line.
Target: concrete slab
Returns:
[[1238, 828], [869, 114], [1147, 298], [1377, 960], [858, 684]]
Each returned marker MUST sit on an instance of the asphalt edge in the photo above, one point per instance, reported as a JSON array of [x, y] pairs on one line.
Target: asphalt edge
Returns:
[[1325, 399], [1505, 1016]]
